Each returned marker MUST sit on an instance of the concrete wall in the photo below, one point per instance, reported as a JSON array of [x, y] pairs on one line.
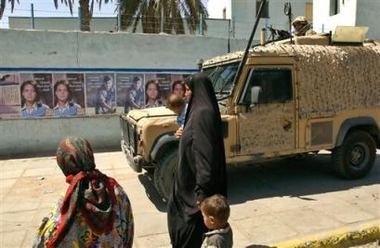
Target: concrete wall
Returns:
[[216, 27], [54, 51], [34, 137], [103, 50]]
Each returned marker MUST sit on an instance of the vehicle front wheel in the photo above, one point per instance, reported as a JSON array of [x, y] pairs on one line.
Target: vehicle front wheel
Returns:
[[356, 156], [164, 173]]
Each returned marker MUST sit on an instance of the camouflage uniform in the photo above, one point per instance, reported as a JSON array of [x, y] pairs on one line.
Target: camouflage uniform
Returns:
[[305, 30]]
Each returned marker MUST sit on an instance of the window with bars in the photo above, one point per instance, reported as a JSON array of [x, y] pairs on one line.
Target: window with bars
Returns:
[[334, 7]]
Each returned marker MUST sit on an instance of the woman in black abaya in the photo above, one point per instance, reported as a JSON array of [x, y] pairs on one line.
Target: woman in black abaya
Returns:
[[201, 170]]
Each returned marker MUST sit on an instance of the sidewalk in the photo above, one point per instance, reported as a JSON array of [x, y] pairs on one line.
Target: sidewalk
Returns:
[[286, 204]]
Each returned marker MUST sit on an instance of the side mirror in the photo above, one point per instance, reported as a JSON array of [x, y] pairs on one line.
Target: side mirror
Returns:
[[255, 92]]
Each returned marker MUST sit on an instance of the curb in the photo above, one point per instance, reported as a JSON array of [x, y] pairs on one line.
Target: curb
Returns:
[[350, 235]]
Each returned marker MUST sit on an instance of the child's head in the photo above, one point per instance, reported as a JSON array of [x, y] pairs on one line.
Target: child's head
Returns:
[[215, 211], [175, 103]]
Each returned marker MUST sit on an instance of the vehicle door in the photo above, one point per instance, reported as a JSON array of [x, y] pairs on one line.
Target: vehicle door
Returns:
[[267, 122]]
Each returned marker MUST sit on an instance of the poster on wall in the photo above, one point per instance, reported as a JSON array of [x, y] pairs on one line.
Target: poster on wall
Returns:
[[158, 87], [177, 85], [152, 88], [68, 95], [130, 91], [101, 93], [36, 95], [61, 94], [165, 83], [9, 96]]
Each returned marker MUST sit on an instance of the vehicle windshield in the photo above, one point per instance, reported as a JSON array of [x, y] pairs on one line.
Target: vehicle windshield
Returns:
[[222, 77]]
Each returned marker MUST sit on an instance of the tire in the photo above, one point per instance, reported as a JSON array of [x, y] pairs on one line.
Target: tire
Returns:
[[356, 156], [164, 173]]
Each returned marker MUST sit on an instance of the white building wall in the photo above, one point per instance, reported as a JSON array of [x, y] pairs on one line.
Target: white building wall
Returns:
[[215, 8], [352, 13], [323, 22]]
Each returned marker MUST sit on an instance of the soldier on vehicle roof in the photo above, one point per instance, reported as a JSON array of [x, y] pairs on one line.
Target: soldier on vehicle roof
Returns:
[[302, 27]]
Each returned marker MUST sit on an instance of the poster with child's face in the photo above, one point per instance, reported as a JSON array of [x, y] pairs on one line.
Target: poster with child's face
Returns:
[[153, 95], [9, 96], [69, 93], [178, 85], [36, 94], [100, 93], [165, 85], [130, 90]]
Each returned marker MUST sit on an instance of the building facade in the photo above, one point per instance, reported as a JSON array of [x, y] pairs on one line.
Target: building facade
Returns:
[[347, 13]]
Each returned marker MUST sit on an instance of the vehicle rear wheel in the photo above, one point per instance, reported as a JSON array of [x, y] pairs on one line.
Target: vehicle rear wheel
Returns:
[[356, 156], [164, 173]]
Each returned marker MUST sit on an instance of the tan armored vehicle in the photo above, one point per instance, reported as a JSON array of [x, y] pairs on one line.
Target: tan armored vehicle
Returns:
[[288, 99]]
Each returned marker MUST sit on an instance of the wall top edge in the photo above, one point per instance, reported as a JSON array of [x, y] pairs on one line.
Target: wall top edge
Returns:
[[34, 69]]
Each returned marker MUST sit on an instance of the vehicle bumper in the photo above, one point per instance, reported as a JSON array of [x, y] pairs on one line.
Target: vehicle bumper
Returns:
[[134, 161]]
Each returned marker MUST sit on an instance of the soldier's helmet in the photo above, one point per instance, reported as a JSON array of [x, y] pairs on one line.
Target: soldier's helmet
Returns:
[[299, 19]]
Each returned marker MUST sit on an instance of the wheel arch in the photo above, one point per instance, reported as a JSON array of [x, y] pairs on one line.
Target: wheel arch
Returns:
[[162, 143], [367, 124]]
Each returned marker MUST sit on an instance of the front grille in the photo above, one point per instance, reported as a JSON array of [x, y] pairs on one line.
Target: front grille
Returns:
[[129, 134]]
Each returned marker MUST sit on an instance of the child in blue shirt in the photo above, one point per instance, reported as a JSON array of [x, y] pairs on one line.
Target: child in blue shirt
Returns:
[[178, 105]]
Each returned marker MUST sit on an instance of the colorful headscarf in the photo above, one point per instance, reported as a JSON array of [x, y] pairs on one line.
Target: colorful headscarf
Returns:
[[90, 191]]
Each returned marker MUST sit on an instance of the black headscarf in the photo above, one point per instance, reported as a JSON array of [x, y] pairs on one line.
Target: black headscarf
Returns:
[[202, 93], [201, 158]]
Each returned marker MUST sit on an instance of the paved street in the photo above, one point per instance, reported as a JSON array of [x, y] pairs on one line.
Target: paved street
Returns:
[[277, 203]]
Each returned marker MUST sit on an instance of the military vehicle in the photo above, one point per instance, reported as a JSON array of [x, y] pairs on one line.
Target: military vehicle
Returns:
[[281, 99]]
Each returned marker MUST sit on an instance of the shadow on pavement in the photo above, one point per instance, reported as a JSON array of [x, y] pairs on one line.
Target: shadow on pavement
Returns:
[[289, 177], [293, 178]]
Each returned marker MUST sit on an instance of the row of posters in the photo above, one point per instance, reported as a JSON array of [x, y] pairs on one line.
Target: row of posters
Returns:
[[34, 95]]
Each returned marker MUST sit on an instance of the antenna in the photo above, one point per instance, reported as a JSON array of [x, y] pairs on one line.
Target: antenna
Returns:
[[288, 12], [245, 55]]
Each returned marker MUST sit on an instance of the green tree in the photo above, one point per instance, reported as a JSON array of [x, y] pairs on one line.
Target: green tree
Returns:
[[3, 4], [86, 8], [173, 13]]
